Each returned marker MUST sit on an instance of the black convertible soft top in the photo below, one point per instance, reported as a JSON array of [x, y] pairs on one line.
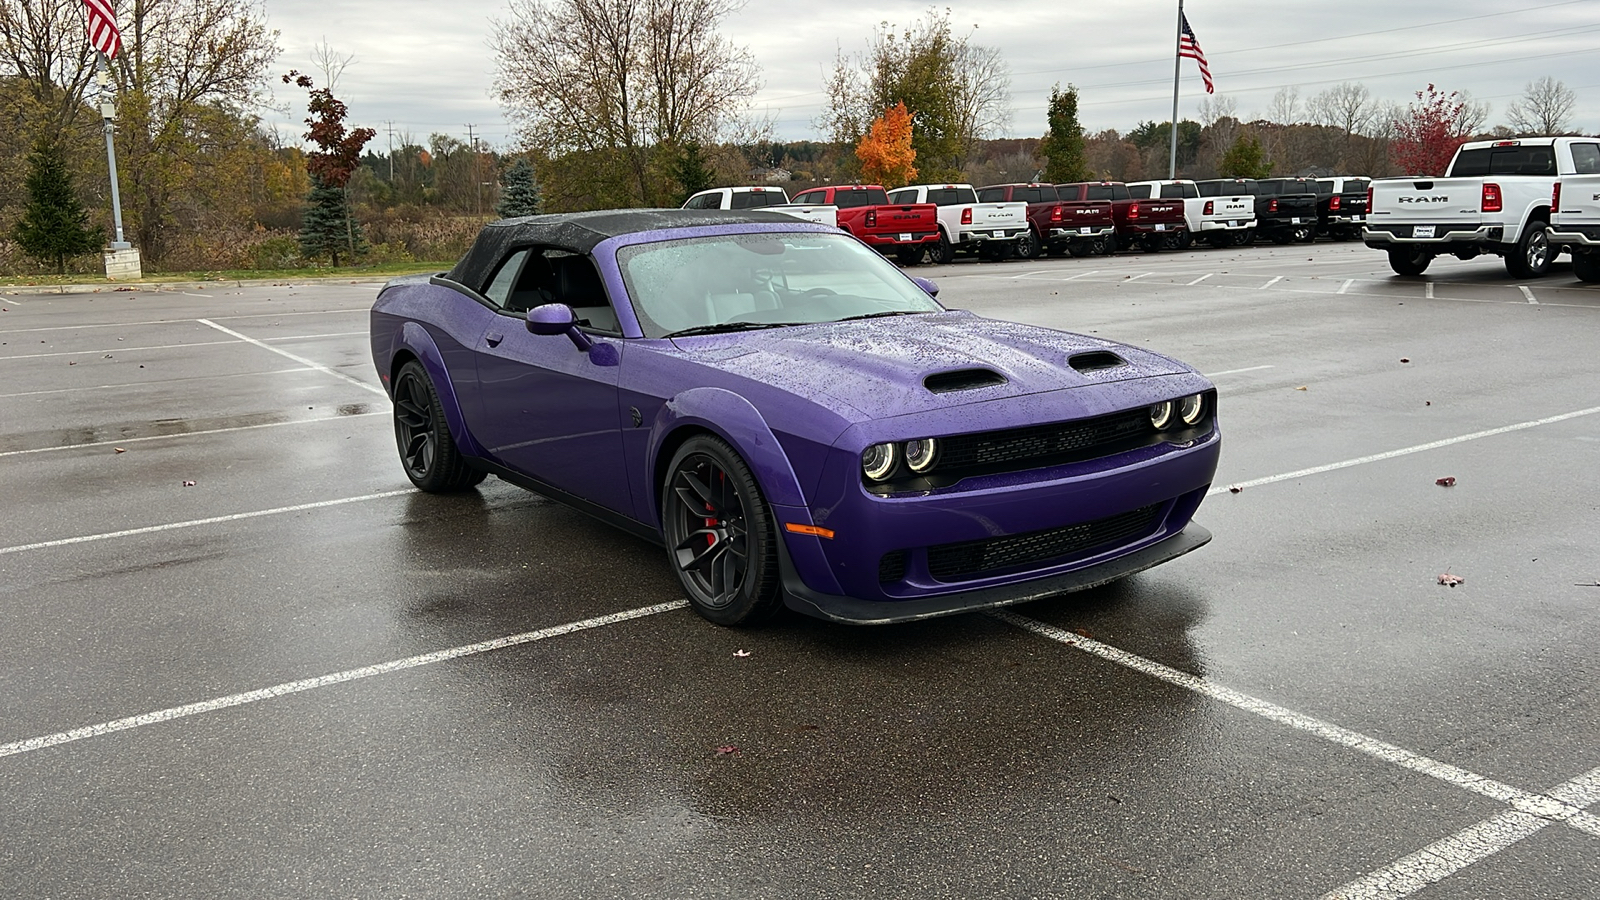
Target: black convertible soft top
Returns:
[[580, 232]]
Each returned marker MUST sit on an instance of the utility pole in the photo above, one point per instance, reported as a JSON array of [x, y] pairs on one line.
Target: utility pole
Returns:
[[1177, 70], [389, 124], [477, 189]]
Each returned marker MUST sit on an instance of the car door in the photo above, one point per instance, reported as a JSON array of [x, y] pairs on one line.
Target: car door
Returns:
[[547, 409]]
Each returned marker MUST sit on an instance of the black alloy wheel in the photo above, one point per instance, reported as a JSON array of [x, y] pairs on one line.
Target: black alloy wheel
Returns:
[[1029, 246], [909, 256], [1410, 259], [1305, 234], [427, 451], [719, 534], [942, 253]]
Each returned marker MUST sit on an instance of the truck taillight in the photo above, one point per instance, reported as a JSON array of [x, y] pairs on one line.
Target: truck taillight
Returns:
[[1555, 198], [1055, 214], [1272, 205], [1133, 211], [1491, 198], [966, 216], [872, 218], [1334, 203], [1369, 199], [1211, 206]]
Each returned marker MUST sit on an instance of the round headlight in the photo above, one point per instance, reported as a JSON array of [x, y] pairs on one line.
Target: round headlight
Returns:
[[1191, 409], [922, 454], [877, 461], [1161, 414]]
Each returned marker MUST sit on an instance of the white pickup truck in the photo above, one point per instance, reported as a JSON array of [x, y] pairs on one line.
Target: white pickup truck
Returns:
[[1218, 220], [990, 230], [1575, 212], [1496, 199], [772, 199]]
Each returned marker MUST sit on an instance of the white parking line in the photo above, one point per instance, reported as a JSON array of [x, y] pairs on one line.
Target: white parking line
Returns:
[[1082, 275], [1138, 276], [1200, 279], [1445, 857], [188, 294], [297, 358], [1275, 280], [1404, 451], [1346, 286], [1427, 291], [13, 300], [193, 523], [294, 687], [1527, 292], [1235, 371], [163, 437]]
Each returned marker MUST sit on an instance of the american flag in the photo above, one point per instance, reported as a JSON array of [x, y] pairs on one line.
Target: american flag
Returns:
[[103, 32], [1188, 45]]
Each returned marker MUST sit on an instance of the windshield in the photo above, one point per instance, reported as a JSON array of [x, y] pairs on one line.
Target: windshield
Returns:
[[733, 281]]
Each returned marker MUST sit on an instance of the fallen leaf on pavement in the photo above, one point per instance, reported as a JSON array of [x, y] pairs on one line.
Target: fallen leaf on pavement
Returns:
[[727, 749], [1404, 360], [1447, 481], [1449, 580], [1301, 388], [1587, 584], [188, 484], [1235, 489], [741, 653], [1084, 632], [120, 449]]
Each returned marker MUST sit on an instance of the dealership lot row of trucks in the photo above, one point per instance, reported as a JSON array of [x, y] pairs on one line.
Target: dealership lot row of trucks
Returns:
[[942, 221]]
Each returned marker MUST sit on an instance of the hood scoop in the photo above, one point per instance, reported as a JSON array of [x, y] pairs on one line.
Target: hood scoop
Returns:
[[1095, 361], [963, 380]]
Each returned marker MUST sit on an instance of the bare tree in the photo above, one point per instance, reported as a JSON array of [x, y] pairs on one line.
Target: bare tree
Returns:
[[43, 46], [1474, 114], [1348, 107], [330, 63], [982, 97], [1544, 108], [621, 79], [1285, 108]]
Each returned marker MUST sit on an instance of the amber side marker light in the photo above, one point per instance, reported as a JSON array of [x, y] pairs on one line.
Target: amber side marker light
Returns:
[[817, 530]]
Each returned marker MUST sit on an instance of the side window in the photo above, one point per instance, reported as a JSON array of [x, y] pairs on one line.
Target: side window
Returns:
[[1139, 191], [576, 282], [1120, 192], [903, 197], [499, 289], [812, 198], [1586, 159], [992, 195]]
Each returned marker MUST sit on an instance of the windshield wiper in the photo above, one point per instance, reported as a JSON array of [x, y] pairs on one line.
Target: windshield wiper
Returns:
[[730, 326], [879, 315]]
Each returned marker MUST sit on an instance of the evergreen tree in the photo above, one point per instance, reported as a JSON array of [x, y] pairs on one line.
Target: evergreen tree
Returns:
[[689, 169], [327, 228], [54, 225], [520, 194], [1063, 146], [1243, 159]]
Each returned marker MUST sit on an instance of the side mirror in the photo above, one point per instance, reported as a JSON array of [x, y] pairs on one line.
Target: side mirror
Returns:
[[927, 284], [558, 318]]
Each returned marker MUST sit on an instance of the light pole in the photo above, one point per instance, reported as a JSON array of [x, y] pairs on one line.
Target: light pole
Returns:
[[122, 260]]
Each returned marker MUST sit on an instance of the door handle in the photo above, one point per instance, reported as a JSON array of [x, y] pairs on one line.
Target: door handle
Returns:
[[494, 338]]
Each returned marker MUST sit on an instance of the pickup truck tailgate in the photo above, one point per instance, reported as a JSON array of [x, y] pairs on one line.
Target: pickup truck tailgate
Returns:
[[1424, 201], [998, 215]]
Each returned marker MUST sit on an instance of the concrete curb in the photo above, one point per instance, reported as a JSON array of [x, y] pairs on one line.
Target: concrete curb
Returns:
[[109, 287]]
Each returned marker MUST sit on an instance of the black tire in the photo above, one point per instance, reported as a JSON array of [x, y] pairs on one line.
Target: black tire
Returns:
[[1280, 237], [942, 253], [1220, 239], [1305, 234], [427, 451], [909, 256], [1244, 237], [1409, 260], [1586, 267], [1533, 255], [1185, 240], [1029, 246], [720, 535], [1153, 243]]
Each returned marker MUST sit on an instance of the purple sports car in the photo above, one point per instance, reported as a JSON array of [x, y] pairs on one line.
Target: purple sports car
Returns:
[[795, 419]]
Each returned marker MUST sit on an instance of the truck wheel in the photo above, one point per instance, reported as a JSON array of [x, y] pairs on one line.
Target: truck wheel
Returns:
[[1305, 234], [1220, 239], [1409, 260], [1153, 243], [1586, 266], [1280, 237], [1029, 246], [1242, 238], [1533, 254], [908, 256], [942, 253]]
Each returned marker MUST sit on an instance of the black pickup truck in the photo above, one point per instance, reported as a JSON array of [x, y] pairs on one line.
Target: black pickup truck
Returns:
[[1342, 207], [1286, 209]]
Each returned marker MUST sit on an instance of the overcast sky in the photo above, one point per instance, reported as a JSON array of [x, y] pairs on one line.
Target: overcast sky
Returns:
[[425, 66]]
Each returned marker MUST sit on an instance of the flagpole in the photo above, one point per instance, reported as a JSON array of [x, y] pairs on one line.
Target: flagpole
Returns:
[[107, 112], [1177, 70]]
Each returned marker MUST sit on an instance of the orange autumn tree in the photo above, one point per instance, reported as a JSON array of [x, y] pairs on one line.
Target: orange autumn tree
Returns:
[[885, 150]]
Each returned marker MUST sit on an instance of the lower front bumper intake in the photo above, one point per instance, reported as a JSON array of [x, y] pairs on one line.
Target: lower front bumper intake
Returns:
[[839, 608]]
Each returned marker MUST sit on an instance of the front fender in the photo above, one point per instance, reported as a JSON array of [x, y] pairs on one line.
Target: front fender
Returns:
[[735, 420], [415, 338]]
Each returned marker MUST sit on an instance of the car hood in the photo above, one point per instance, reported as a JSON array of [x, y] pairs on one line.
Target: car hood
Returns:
[[881, 367]]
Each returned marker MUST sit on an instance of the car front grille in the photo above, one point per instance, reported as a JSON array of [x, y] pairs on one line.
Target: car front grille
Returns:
[[1020, 448], [973, 559]]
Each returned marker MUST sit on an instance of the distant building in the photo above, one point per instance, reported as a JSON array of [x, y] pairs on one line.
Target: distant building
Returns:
[[771, 176]]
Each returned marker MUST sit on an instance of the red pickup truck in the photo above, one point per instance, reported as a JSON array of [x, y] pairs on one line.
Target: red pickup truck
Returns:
[[1057, 224], [1152, 224], [905, 229]]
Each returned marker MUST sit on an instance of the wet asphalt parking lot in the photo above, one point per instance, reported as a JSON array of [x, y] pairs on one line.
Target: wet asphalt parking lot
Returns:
[[298, 677]]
